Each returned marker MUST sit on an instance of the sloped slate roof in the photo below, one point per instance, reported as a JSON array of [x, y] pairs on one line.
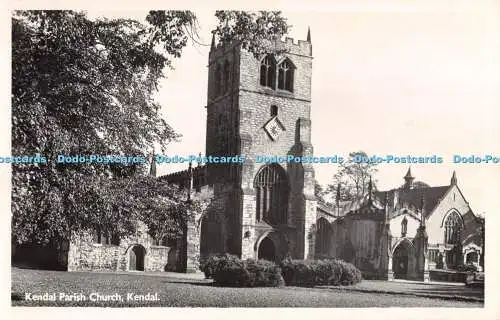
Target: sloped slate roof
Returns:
[[413, 197]]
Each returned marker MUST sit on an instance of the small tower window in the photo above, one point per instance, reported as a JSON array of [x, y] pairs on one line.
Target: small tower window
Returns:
[[274, 111], [267, 72], [404, 227], [285, 76]]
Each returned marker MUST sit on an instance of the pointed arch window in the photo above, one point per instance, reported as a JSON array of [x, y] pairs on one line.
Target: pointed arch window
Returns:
[[267, 72], [271, 187], [285, 75], [452, 229]]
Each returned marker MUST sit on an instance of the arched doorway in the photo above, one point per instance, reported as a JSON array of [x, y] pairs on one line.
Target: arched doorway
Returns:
[[271, 194], [137, 255], [400, 261], [267, 250]]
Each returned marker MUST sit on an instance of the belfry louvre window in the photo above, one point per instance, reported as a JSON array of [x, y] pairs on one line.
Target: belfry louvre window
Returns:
[[285, 76], [271, 186], [267, 72]]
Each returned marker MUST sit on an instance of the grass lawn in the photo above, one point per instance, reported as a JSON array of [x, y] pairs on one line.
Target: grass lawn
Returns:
[[175, 291], [430, 290]]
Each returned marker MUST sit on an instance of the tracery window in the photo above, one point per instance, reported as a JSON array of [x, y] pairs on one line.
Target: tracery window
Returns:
[[452, 229], [285, 75], [267, 72], [271, 186]]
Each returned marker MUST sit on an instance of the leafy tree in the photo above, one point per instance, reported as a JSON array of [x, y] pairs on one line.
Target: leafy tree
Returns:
[[353, 179], [318, 191], [85, 86], [420, 185], [257, 31]]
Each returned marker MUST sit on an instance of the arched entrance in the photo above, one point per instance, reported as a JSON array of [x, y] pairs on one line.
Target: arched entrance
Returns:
[[267, 250], [400, 261], [137, 255]]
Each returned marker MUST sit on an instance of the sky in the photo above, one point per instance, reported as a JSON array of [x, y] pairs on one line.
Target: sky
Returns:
[[414, 83]]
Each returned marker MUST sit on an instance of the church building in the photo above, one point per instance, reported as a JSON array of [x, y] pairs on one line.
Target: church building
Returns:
[[269, 211]]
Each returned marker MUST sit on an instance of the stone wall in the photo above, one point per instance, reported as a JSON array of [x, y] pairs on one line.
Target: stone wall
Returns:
[[86, 255], [362, 239]]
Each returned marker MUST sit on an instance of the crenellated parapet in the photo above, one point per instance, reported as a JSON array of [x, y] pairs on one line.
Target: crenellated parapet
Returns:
[[198, 175], [288, 45]]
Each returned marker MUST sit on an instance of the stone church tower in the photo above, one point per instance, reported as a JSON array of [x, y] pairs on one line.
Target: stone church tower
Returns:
[[260, 107]]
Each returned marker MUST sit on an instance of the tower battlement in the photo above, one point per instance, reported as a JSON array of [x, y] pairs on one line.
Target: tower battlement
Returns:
[[288, 45]]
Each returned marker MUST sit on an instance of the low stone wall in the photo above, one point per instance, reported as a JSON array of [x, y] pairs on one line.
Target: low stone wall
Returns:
[[157, 258], [85, 255], [447, 276]]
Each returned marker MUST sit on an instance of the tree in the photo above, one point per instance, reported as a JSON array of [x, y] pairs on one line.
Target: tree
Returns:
[[351, 181], [85, 86], [420, 185], [256, 31], [318, 191], [79, 87]]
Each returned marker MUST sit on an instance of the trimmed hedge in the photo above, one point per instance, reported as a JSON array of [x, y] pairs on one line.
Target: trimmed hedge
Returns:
[[211, 264], [308, 273], [229, 271]]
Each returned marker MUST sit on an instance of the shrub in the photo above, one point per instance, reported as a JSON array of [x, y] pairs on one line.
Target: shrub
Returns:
[[263, 273], [230, 271], [467, 268], [308, 273], [211, 264]]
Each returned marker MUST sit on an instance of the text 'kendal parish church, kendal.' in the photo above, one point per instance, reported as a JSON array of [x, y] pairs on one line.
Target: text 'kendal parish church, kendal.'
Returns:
[[262, 107]]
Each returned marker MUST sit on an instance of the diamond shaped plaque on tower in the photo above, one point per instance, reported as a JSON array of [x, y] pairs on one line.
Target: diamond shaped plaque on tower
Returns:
[[274, 128]]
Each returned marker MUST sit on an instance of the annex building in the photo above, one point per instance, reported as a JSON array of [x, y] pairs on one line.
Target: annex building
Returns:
[[269, 211]]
